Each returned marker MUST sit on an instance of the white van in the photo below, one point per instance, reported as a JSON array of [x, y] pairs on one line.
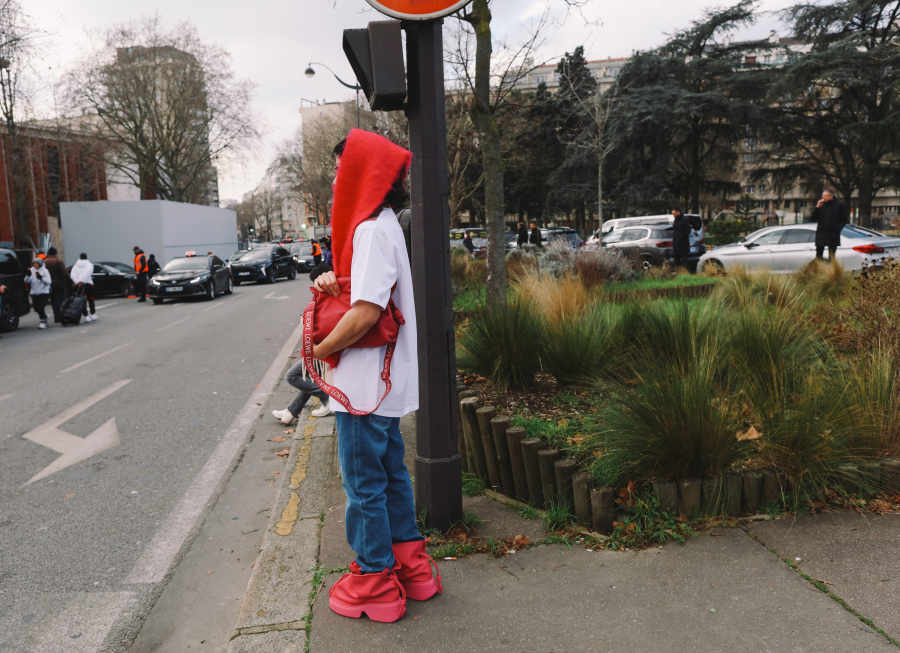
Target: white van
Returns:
[[620, 223]]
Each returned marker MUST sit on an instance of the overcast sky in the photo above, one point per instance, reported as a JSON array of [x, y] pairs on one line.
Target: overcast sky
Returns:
[[272, 41]]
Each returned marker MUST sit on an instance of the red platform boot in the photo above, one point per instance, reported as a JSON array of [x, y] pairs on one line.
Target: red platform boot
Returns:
[[414, 571], [380, 595]]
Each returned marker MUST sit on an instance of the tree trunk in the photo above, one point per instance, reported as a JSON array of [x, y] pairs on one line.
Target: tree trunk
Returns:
[[19, 192], [600, 190], [866, 195], [486, 124], [695, 170]]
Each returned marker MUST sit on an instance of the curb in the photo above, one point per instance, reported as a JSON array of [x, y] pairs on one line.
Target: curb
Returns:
[[275, 610]]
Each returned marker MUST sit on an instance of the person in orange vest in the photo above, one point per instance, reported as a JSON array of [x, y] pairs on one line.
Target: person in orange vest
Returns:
[[317, 253], [141, 269]]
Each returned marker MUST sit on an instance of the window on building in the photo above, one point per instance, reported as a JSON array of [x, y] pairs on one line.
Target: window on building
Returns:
[[750, 144], [749, 158], [761, 189], [747, 189]]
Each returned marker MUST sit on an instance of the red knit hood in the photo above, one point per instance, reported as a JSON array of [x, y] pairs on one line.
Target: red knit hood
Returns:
[[369, 167]]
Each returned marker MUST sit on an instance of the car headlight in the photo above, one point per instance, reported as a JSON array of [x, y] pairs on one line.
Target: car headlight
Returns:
[[202, 277], [154, 282]]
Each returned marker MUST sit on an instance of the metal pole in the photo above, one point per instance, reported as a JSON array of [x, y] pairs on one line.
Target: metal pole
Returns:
[[437, 464]]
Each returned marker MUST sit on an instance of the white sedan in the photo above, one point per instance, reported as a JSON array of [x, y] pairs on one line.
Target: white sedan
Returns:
[[788, 248]]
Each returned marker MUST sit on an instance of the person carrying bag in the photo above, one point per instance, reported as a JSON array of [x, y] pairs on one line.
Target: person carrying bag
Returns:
[[362, 322]]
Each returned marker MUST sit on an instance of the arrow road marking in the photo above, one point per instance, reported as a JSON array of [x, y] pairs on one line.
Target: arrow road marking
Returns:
[[271, 296], [73, 448]]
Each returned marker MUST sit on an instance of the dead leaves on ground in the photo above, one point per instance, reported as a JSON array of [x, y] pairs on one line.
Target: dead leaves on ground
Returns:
[[284, 454], [278, 438]]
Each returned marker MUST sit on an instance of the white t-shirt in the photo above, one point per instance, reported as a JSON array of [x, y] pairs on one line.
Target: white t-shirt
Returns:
[[380, 261]]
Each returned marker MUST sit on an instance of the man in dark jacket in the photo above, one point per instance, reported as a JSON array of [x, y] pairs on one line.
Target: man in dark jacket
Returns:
[[681, 243], [140, 269], [468, 244], [523, 235], [830, 217], [535, 238], [152, 266], [59, 281]]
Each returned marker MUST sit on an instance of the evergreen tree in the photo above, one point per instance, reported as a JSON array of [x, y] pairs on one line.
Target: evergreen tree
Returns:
[[835, 115], [682, 110]]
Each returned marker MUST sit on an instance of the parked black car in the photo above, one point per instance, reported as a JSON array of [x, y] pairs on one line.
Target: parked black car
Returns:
[[15, 299], [191, 276], [110, 279], [265, 264]]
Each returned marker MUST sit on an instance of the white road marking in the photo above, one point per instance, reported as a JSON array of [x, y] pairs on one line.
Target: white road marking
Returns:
[[73, 448], [211, 307], [173, 324], [107, 305], [85, 623], [93, 358], [5, 397], [160, 554], [271, 296]]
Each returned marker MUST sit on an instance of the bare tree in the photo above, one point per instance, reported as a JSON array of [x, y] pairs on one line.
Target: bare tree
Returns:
[[167, 107], [18, 43], [597, 109], [462, 152], [490, 79], [267, 210]]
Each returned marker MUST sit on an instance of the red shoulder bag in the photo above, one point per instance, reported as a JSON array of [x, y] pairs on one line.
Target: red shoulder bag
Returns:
[[321, 317]]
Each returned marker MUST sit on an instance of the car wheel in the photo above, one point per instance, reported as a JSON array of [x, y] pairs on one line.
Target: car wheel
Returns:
[[712, 267], [9, 319], [211, 291], [127, 289], [271, 277], [229, 286], [292, 273], [157, 301]]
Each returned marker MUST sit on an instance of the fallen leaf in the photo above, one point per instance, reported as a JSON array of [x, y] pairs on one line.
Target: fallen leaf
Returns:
[[288, 431], [208, 573], [285, 453], [70, 494], [292, 357], [750, 434], [521, 541], [277, 472], [278, 438]]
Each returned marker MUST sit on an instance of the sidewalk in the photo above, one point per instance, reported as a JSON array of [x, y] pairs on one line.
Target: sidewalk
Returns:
[[721, 591]]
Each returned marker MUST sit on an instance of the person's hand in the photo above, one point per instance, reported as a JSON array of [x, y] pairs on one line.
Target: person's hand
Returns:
[[319, 352], [2, 289], [820, 203], [327, 283]]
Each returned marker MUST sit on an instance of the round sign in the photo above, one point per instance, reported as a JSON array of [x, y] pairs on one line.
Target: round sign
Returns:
[[418, 9]]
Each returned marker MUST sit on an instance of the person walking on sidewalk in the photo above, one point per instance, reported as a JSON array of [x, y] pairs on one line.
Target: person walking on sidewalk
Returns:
[[522, 238], [830, 217], [81, 277], [59, 282], [141, 269], [391, 561], [535, 239], [38, 279], [306, 388]]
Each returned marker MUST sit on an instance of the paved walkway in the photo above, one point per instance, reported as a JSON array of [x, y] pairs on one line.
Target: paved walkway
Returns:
[[721, 591]]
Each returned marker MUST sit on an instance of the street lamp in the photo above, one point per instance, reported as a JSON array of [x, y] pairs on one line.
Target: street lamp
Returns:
[[309, 72]]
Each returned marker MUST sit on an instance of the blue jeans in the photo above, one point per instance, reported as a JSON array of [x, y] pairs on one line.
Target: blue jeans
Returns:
[[380, 505]]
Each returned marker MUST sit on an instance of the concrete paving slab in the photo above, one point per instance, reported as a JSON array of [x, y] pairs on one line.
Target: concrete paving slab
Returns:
[[500, 521], [720, 592], [857, 555], [284, 641]]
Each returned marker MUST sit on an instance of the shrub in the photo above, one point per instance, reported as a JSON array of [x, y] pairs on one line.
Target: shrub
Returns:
[[730, 231], [823, 279], [595, 265], [584, 348], [466, 273], [742, 288], [872, 405], [520, 262], [557, 298], [868, 319], [676, 425], [557, 259], [503, 344]]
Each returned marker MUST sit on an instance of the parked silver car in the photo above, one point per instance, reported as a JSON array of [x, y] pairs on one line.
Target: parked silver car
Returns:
[[788, 248], [654, 243]]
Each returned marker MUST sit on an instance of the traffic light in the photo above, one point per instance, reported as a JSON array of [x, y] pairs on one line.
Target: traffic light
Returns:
[[376, 56], [251, 230]]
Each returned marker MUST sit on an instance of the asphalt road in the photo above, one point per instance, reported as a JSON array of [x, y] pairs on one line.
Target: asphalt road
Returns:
[[162, 399]]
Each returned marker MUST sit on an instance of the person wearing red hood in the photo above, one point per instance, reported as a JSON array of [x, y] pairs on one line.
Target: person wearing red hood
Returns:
[[368, 246]]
